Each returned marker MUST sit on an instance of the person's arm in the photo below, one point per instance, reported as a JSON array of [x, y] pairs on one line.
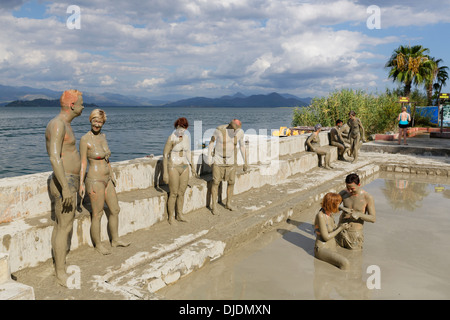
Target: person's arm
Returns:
[[324, 230], [166, 153], [363, 135], [108, 155], [58, 131], [339, 137], [211, 147], [83, 156], [243, 153], [190, 156]]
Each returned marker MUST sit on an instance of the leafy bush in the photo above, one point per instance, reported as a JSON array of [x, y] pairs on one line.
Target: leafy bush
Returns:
[[378, 113]]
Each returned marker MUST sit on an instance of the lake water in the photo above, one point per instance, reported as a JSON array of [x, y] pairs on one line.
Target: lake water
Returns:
[[405, 256], [132, 132]]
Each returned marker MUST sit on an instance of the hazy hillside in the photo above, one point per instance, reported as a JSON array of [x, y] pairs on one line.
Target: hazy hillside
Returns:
[[272, 100], [27, 96]]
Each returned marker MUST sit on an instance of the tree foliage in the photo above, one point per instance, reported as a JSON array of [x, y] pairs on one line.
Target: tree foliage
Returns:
[[378, 113]]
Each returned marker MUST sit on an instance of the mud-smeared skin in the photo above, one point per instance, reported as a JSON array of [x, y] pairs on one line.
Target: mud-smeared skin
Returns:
[[358, 207], [313, 143], [356, 135], [177, 158], [65, 161], [222, 155], [100, 182], [326, 231]]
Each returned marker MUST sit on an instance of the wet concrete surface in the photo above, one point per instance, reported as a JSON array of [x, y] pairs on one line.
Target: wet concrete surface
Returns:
[[256, 215], [421, 144]]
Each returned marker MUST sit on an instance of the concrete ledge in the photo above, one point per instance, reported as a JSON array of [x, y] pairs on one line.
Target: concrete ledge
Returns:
[[400, 149], [28, 239], [27, 196], [442, 135], [10, 289]]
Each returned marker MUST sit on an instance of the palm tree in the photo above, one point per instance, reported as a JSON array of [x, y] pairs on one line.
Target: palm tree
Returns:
[[438, 73], [409, 65], [441, 77]]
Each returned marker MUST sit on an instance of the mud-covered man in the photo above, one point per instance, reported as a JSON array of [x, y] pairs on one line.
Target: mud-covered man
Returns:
[[64, 183], [222, 155], [358, 207]]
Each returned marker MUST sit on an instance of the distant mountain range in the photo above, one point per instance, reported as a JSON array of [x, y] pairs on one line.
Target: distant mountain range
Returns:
[[43, 103], [27, 96], [239, 100], [10, 94]]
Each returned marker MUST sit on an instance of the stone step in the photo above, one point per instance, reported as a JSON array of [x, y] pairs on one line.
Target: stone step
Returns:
[[10, 289], [143, 274], [28, 240]]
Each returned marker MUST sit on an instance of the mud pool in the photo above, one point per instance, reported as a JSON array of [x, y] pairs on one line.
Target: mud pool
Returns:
[[405, 254]]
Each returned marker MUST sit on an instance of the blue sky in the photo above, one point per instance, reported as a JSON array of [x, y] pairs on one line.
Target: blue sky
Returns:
[[182, 48]]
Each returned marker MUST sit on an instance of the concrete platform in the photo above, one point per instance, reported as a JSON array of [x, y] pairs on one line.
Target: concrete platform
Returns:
[[160, 254], [163, 253], [10, 289], [420, 144]]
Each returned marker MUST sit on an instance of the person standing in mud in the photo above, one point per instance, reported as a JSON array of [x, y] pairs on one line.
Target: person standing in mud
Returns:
[[326, 231], [222, 155], [313, 143], [356, 134], [358, 207], [100, 182], [64, 182], [177, 158], [337, 140]]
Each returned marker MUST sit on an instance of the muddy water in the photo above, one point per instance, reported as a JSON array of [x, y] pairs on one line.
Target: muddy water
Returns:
[[405, 255]]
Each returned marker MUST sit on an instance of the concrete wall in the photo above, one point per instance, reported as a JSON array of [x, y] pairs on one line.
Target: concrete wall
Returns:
[[25, 207]]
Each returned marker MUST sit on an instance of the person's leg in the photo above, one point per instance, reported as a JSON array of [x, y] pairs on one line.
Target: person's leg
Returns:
[[332, 257], [113, 219], [356, 147], [341, 149], [174, 183], [217, 177], [405, 133], [184, 179], [64, 218], [400, 135], [96, 191], [231, 179], [324, 152]]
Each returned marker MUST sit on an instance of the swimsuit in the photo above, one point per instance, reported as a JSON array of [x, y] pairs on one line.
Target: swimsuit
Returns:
[[403, 123]]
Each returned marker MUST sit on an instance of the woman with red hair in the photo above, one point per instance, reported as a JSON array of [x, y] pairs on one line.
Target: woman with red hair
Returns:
[[326, 231], [177, 158]]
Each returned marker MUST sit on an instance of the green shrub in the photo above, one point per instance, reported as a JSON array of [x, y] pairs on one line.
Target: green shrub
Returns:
[[378, 113]]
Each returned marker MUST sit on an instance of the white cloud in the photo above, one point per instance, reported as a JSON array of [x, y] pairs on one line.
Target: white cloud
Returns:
[[107, 80], [148, 83], [161, 46]]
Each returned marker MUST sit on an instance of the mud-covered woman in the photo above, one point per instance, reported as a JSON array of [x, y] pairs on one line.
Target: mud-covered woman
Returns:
[[100, 182]]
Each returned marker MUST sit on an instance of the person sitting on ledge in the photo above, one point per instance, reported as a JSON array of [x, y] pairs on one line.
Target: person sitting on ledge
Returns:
[[313, 143], [337, 140]]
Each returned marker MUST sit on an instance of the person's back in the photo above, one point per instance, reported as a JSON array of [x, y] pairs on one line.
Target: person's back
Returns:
[[404, 118]]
